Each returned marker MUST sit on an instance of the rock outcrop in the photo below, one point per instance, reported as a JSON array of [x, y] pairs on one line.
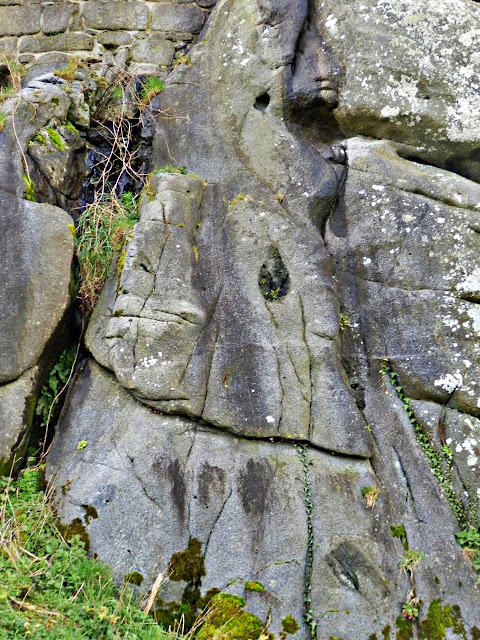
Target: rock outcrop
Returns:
[[281, 377]]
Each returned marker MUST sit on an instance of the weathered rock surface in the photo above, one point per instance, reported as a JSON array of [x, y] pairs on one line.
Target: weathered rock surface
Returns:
[[36, 248], [329, 226]]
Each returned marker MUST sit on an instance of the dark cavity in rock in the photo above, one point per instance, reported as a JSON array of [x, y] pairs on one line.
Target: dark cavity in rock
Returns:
[[274, 279], [262, 102]]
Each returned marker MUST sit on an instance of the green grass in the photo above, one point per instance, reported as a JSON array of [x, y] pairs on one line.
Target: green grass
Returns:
[[151, 88], [49, 587], [102, 231], [3, 119]]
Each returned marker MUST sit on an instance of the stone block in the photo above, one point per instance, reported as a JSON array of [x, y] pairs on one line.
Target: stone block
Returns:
[[63, 42], [155, 50], [144, 69], [115, 15], [56, 18], [114, 38], [17, 21], [171, 17], [8, 46]]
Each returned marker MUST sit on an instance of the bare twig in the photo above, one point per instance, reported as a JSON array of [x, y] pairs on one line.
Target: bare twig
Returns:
[[154, 592]]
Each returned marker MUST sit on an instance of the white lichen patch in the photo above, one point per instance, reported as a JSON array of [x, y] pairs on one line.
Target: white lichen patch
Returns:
[[449, 382], [413, 63]]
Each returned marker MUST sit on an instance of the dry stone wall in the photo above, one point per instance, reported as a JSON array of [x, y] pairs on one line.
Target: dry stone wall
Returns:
[[144, 34]]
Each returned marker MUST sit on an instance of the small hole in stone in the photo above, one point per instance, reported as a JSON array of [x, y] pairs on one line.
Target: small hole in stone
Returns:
[[262, 102], [273, 278]]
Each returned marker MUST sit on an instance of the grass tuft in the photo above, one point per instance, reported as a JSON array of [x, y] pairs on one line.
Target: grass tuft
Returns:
[[102, 231], [50, 588], [151, 88]]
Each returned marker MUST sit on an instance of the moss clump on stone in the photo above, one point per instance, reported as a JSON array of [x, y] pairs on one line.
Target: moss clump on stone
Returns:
[[227, 620], [187, 566], [290, 625], [30, 188], [68, 72], [404, 629], [39, 138], [386, 632], [254, 586], [134, 577], [75, 528], [170, 168], [90, 512], [70, 127], [151, 88], [56, 139], [439, 619]]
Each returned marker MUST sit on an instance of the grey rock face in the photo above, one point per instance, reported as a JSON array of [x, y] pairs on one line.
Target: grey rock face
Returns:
[[36, 248], [260, 296], [17, 402], [192, 331], [155, 481], [401, 81]]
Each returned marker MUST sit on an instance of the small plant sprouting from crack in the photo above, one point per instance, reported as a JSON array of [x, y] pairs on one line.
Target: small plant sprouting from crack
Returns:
[[344, 321], [241, 197], [309, 616], [410, 560], [370, 494], [407, 563]]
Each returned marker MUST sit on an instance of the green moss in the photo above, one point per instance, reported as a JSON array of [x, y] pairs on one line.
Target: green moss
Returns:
[[75, 528], [241, 197], [290, 625], [90, 513], [170, 168], [254, 586], [227, 620], [120, 264], [182, 58], [39, 138], [439, 619], [30, 188], [70, 127], [372, 636], [3, 119], [386, 632], [188, 565], [475, 633], [68, 72], [135, 578], [56, 139], [404, 629]]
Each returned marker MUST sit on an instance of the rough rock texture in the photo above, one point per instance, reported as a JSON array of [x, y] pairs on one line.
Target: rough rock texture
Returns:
[[328, 228], [36, 248]]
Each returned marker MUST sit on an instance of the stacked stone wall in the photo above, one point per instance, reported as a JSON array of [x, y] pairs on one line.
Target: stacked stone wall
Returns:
[[145, 35]]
